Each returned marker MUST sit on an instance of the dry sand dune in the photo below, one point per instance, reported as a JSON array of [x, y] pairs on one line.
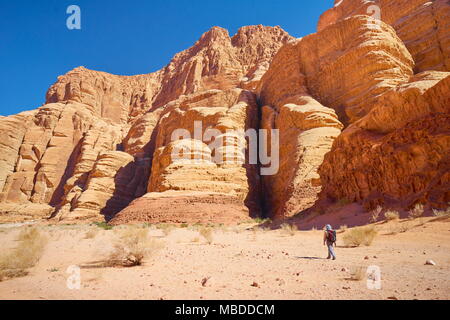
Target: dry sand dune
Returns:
[[241, 263]]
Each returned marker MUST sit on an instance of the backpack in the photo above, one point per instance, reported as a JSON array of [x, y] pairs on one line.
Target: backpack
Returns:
[[331, 236]]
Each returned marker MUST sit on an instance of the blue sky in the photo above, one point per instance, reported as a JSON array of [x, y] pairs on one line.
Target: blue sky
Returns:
[[120, 36]]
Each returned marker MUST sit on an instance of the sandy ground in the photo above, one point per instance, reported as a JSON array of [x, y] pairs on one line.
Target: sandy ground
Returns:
[[282, 266]]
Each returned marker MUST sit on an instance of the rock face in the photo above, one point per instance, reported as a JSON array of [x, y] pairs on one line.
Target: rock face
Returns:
[[306, 132], [399, 153], [184, 207], [309, 83], [423, 25], [396, 154], [204, 165], [357, 111], [88, 152]]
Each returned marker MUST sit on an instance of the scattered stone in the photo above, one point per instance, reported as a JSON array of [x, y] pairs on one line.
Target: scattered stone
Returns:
[[205, 281], [366, 258], [344, 270], [392, 298], [255, 285], [430, 263]]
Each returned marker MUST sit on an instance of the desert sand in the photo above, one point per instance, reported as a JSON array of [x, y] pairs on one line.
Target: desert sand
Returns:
[[242, 262]]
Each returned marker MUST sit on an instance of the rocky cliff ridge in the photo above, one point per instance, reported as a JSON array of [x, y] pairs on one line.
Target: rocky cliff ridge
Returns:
[[362, 109]]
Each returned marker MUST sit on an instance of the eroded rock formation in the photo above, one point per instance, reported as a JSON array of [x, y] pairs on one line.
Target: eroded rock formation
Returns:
[[361, 108], [88, 152], [399, 154], [423, 25]]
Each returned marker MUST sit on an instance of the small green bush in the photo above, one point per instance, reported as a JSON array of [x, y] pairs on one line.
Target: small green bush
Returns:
[[103, 225]]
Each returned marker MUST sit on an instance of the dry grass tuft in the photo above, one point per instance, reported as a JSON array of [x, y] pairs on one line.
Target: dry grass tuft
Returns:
[[375, 214], [401, 228], [360, 236], [166, 228], [207, 233], [28, 252], [392, 215], [357, 274], [131, 247], [417, 212], [91, 234], [441, 213], [29, 234], [289, 229]]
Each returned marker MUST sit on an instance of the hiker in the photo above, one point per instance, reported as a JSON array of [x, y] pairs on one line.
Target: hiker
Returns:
[[329, 238]]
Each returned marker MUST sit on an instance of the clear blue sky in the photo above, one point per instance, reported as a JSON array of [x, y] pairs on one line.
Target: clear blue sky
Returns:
[[123, 37]]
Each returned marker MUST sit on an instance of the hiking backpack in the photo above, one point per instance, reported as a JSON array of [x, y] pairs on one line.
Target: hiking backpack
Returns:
[[331, 236]]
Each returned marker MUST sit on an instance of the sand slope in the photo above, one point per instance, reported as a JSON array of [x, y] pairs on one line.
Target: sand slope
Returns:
[[282, 266]]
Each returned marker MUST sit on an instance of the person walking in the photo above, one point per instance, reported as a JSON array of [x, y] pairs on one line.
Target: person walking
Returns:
[[329, 239]]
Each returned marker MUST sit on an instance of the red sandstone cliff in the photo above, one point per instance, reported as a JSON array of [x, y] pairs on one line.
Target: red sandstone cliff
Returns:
[[362, 108]]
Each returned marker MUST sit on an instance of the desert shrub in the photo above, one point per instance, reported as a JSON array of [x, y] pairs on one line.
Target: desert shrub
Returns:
[[27, 253], [441, 213], [29, 234], [91, 234], [357, 273], [359, 236], [195, 227], [131, 247], [375, 214], [289, 229], [166, 228], [401, 228], [260, 228], [391, 215], [416, 212], [261, 220], [222, 227], [103, 225], [207, 233]]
